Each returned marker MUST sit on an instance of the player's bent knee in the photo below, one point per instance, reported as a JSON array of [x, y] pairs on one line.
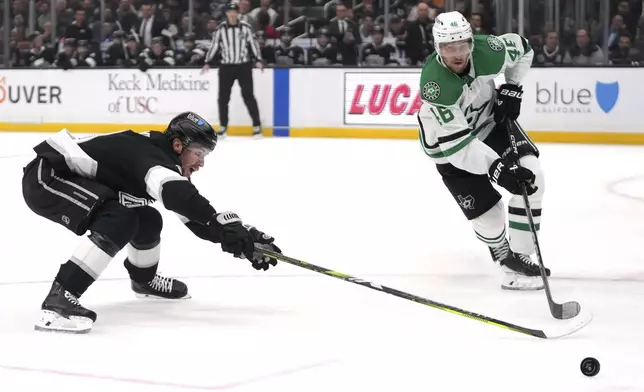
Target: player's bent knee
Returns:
[[150, 224], [115, 222]]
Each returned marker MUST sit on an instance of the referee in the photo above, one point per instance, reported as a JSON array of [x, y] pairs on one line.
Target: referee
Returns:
[[235, 40]]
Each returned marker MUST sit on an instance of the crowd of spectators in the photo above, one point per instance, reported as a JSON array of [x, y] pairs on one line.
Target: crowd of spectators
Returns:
[[145, 33]]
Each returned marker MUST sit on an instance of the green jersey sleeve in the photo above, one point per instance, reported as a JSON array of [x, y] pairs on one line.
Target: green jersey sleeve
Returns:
[[518, 57]]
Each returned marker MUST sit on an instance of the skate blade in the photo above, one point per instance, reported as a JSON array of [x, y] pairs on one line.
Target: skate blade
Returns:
[[53, 322], [522, 288], [151, 296]]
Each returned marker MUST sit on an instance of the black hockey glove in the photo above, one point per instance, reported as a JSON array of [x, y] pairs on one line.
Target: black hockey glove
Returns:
[[262, 241], [508, 102], [512, 176], [234, 238], [242, 240]]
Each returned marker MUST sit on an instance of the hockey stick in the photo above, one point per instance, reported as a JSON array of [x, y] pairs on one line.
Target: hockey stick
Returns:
[[564, 311], [552, 334]]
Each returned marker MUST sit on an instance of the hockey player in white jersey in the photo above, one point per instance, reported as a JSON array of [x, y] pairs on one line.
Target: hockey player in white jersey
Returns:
[[463, 130]]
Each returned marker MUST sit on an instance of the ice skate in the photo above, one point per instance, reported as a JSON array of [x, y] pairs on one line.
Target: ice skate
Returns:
[[61, 312], [518, 271], [257, 132], [161, 287], [223, 132]]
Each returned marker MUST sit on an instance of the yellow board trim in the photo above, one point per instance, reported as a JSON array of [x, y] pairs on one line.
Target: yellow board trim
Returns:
[[341, 132]]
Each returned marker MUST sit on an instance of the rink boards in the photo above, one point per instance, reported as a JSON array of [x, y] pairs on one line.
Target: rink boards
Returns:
[[589, 105]]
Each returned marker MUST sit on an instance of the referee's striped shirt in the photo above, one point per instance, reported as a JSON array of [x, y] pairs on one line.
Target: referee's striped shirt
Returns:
[[236, 43]]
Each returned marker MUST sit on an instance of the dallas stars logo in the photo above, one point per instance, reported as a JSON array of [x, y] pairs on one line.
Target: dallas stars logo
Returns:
[[454, 24], [494, 43], [431, 91]]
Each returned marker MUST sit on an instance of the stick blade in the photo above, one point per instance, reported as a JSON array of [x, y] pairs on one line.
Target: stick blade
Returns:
[[582, 320], [566, 311]]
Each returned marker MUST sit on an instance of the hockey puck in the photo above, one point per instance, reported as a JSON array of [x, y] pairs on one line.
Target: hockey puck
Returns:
[[589, 367]]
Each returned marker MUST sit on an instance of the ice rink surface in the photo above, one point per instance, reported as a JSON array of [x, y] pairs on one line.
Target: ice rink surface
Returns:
[[372, 208]]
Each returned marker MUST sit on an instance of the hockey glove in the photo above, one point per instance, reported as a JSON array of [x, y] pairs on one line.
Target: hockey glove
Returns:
[[508, 102], [512, 177], [262, 241], [234, 238]]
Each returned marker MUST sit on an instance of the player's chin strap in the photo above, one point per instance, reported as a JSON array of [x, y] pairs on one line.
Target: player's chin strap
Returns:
[[559, 311], [550, 333]]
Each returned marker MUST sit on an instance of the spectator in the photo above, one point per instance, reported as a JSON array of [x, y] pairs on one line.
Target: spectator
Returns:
[[365, 29], [79, 29], [617, 28], [367, 9], [42, 15], [624, 54], [149, 26], [419, 43], [629, 17], [430, 7], [584, 52], [550, 53], [126, 16], [244, 14], [19, 28], [208, 30], [476, 20], [346, 35], [263, 24], [265, 5]]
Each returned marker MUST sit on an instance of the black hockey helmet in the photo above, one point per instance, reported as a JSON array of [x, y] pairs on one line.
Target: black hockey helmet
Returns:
[[191, 128]]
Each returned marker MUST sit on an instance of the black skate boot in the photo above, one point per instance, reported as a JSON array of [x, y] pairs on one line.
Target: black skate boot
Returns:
[[161, 287], [257, 132], [223, 132], [61, 312], [519, 271]]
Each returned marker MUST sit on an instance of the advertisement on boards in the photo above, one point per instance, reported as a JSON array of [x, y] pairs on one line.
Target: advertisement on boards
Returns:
[[383, 99], [142, 95]]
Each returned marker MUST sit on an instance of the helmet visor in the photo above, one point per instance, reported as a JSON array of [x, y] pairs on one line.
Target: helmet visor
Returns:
[[456, 48], [199, 150]]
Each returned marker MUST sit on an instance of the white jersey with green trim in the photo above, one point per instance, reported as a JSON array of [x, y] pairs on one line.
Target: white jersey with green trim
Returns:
[[457, 111]]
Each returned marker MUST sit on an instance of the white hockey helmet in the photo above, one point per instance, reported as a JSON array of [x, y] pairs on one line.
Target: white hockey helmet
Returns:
[[451, 27]]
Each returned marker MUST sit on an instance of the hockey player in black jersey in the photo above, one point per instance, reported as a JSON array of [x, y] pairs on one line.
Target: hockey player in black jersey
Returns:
[[192, 54], [104, 185], [286, 53], [156, 56], [268, 52], [378, 52], [325, 52]]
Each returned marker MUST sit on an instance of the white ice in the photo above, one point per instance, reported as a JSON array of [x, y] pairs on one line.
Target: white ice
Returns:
[[372, 208]]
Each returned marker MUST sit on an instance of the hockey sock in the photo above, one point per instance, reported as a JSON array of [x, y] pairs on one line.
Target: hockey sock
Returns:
[[142, 263], [144, 250], [490, 227], [88, 262], [519, 229]]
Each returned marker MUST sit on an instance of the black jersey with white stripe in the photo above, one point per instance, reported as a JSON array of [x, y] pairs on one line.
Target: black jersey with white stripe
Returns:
[[236, 43], [140, 167]]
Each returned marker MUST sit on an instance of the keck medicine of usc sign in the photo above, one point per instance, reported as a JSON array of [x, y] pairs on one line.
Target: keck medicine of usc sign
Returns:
[[384, 98]]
